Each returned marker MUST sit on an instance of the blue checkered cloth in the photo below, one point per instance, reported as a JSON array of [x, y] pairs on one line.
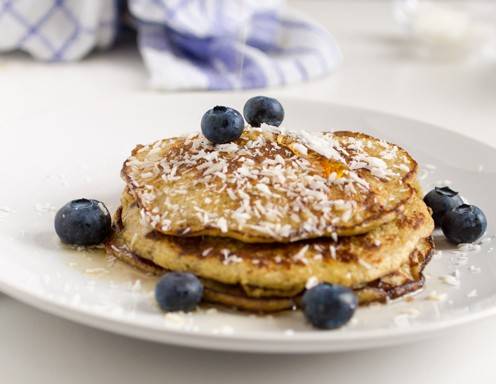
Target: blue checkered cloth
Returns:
[[57, 30], [186, 44]]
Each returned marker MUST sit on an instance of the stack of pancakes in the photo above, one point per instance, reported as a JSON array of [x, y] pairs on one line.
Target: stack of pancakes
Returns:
[[263, 218]]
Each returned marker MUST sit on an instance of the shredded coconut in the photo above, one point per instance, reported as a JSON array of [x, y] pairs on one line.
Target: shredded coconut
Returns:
[[264, 179], [450, 280], [300, 255], [311, 282], [472, 293], [434, 296]]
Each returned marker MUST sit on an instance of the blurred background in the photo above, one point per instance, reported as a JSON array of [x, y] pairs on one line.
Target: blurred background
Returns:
[[427, 59]]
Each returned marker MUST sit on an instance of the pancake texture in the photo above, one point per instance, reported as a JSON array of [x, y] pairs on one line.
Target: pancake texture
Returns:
[[279, 267], [405, 280], [270, 185]]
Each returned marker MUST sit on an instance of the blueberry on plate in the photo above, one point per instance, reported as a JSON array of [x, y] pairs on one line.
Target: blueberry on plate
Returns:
[[441, 200], [262, 109], [177, 291], [329, 306], [222, 125], [464, 224], [83, 222]]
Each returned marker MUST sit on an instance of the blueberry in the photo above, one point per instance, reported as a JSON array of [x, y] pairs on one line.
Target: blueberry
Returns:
[[222, 125], [329, 306], [441, 200], [83, 222], [464, 224], [178, 292], [262, 109]]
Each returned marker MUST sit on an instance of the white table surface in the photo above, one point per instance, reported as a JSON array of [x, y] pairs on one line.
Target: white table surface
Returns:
[[378, 73]]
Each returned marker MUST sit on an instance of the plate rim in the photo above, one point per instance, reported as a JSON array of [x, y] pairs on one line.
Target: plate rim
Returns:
[[300, 342]]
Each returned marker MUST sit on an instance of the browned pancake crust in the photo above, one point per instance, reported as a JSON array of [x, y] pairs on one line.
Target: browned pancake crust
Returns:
[[280, 267], [406, 280]]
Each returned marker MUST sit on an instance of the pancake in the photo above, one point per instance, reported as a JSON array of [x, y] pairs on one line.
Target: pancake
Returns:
[[279, 268], [407, 279], [270, 185]]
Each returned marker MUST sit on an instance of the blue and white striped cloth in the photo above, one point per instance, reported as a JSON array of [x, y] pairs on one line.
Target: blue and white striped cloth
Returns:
[[186, 44]]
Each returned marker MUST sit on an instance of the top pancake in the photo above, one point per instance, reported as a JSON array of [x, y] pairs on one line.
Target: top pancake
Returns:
[[270, 185]]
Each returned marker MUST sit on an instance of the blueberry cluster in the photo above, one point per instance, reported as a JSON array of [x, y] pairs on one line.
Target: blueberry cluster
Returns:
[[460, 222], [222, 125]]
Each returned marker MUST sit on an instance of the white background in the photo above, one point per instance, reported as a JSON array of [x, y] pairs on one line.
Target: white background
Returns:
[[378, 73]]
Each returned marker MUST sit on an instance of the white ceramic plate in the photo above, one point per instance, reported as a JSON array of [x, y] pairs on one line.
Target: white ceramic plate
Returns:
[[58, 155]]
